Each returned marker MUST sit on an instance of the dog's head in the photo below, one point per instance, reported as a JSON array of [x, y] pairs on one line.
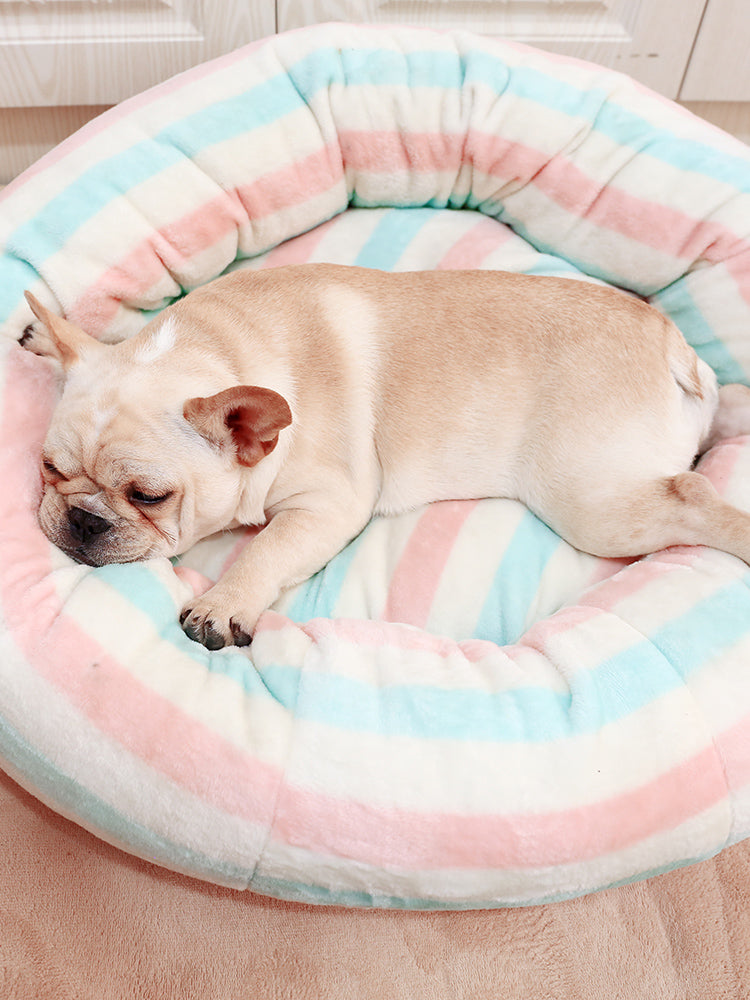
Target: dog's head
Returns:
[[140, 460]]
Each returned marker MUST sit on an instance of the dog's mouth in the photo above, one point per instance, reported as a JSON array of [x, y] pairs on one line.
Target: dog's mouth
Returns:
[[87, 558], [97, 555]]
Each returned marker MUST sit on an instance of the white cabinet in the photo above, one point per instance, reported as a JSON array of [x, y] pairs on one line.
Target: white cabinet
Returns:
[[719, 68], [649, 39], [67, 52], [97, 52]]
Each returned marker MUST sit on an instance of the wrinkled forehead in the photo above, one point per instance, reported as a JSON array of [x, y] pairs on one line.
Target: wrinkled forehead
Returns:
[[113, 406]]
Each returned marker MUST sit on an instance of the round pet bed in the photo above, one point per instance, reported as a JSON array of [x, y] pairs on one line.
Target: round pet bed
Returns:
[[460, 710]]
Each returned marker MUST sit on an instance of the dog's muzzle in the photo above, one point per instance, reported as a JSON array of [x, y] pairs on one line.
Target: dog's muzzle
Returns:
[[84, 526]]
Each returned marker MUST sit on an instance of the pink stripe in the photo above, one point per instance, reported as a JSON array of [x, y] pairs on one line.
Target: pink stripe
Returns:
[[171, 246], [403, 638], [650, 223], [165, 249], [366, 634], [198, 582], [299, 249], [293, 184], [244, 539], [84, 674], [472, 249], [399, 637], [734, 746], [608, 594], [417, 575], [566, 620], [406, 839], [604, 569], [719, 464]]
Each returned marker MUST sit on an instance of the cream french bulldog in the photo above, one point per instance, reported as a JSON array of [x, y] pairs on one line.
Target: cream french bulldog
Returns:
[[309, 398]]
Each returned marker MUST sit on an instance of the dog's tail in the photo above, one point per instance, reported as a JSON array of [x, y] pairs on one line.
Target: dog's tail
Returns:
[[697, 383], [725, 410]]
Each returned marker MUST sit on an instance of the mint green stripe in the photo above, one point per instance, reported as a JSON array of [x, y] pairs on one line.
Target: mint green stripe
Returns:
[[504, 615], [318, 596], [650, 669], [678, 303], [392, 236], [138, 585]]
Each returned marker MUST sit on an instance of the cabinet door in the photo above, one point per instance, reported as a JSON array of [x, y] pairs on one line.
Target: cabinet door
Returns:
[[100, 51], [719, 67], [649, 39]]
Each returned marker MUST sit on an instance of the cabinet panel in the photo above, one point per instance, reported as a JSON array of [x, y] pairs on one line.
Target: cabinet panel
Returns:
[[644, 38], [719, 67], [100, 51]]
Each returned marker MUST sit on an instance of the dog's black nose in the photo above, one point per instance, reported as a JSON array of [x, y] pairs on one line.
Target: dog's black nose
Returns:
[[84, 525]]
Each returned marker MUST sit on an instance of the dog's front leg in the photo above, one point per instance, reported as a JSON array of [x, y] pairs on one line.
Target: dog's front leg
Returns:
[[294, 544]]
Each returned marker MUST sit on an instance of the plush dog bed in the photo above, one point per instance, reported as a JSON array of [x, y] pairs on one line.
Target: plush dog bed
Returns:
[[460, 710]]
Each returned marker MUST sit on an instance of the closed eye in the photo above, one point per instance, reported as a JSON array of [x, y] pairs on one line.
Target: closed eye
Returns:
[[138, 496], [51, 469]]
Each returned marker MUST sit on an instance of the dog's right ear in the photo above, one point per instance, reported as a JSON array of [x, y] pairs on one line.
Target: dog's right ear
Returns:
[[60, 340], [248, 418]]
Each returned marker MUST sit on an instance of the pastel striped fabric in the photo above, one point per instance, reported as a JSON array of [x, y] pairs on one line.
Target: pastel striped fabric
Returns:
[[460, 710]]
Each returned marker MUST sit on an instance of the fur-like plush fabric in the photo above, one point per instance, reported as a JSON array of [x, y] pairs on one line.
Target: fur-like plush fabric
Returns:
[[459, 711], [79, 919]]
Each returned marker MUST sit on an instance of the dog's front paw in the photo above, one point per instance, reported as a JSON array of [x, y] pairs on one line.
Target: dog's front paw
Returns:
[[208, 620]]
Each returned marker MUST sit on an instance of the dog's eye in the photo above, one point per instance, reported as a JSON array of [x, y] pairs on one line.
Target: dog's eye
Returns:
[[138, 496], [51, 469]]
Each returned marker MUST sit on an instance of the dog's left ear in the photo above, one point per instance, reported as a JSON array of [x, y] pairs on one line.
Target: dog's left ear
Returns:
[[247, 416], [60, 340]]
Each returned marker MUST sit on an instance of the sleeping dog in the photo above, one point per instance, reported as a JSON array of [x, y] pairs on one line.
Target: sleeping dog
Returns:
[[309, 398]]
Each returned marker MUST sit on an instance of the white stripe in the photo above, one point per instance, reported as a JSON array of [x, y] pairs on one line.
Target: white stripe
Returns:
[[488, 778]]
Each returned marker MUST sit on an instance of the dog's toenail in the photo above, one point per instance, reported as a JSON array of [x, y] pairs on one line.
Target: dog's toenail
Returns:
[[241, 638]]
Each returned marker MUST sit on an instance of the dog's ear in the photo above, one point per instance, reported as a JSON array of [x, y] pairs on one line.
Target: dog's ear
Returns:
[[247, 416], [60, 340]]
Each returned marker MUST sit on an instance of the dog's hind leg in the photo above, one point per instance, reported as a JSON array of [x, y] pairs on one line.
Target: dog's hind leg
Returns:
[[679, 510]]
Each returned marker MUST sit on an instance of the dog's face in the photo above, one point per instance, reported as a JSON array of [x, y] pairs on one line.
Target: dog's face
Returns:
[[135, 464]]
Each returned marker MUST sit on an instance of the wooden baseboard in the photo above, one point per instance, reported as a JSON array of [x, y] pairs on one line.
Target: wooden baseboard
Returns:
[[28, 133]]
